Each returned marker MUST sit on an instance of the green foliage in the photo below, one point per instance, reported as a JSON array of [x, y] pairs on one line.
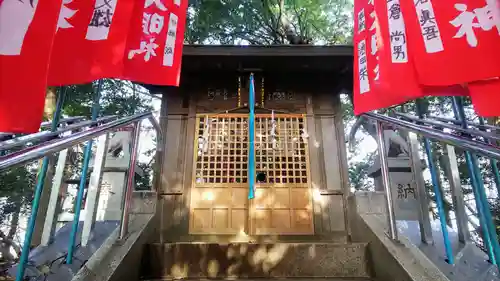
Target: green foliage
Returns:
[[17, 184], [118, 97], [358, 173], [16, 190], [265, 22]]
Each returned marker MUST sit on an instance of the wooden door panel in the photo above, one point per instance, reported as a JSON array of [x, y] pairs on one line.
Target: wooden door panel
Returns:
[[219, 203], [283, 198], [281, 211]]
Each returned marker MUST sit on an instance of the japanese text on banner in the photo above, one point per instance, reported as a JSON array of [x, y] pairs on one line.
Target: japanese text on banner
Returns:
[[100, 22], [428, 26], [397, 31], [453, 42], [374, 30], [153, 24]]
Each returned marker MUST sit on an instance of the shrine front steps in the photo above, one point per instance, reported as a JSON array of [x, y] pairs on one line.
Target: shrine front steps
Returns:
[[280, 279], [333, 261]]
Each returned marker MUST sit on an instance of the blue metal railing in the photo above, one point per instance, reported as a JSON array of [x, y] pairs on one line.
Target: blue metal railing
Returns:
[[437, 192], [38, 192], [43, 149], [489, 231], [474, 139], [83, 177]]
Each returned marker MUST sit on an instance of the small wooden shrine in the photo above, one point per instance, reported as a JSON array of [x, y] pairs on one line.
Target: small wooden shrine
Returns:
[[300, 169]]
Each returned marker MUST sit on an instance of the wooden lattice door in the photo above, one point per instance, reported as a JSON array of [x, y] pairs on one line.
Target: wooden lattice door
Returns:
[[282, 203], [219, 203]]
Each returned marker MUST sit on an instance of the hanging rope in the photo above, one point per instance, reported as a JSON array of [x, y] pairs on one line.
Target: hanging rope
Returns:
[[273, 131], [239, 91], [262, 93]]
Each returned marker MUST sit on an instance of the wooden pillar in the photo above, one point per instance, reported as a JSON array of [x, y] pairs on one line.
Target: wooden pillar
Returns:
[[328, 158], [176, 117]]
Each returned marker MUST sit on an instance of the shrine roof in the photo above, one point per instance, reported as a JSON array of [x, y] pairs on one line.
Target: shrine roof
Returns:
[[317, 64], [268, 50], [290, 58]]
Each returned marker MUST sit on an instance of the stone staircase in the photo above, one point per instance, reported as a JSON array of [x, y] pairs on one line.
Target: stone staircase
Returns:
[[300, 261]]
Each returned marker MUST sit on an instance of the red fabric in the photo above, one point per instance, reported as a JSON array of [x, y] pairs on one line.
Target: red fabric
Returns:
[[453, 90], [23, 75], [485, 96], [153, 66], [77, 59], [450, 57], [366, 96], [397, 80]]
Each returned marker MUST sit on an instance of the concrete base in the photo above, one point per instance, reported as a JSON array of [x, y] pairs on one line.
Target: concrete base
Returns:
[[390, 260], [244, 260]]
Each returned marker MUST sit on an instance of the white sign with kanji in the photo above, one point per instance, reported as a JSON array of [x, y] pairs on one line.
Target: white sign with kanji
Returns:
[[100, 23], [364, 84], [168, 53], [429, 26], [397, 32]]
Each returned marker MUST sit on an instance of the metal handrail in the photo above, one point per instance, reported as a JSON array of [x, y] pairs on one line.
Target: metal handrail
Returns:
[[457, 122], [47, 124], [457, 141], [44, 135], [471, 148], [44, 149], [448, 126]]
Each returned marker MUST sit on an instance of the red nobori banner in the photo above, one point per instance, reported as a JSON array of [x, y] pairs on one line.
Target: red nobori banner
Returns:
[[90, 41], [154, 47], [383, 72], [454, 42], [485, 96], [26, 35]]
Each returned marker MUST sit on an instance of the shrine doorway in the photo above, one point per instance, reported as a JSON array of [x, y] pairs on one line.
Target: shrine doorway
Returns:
[[219, 201]]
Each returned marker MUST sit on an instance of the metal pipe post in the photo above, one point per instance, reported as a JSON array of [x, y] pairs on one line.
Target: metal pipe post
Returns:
[[251, 140], [439, 197], [83, 178], [127, 199], [480, 195], [439, 201], [38, 193], [384, 168]]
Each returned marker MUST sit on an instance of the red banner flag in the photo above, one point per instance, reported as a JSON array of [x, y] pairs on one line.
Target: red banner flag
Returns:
[[454, 42], [154, 47], [383, 69], [90, 41], [485, 96], [27, 31]]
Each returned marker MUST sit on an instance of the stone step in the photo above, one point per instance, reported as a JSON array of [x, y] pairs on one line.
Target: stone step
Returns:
[[280, 279], [255, 260]]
